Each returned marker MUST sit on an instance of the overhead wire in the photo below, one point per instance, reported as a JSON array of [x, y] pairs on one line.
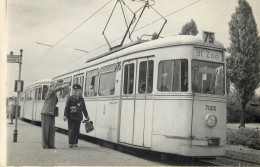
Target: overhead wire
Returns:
[[69, 33], [101, 46], [168, 15]]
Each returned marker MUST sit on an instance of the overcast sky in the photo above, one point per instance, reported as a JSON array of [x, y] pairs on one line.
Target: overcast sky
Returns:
[[59, 23]]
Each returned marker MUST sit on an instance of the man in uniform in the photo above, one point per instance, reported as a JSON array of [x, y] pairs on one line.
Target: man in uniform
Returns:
[[74, 108]]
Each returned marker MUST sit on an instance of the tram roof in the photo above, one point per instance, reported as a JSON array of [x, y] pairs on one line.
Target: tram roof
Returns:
[[42, 81], [142, 45]]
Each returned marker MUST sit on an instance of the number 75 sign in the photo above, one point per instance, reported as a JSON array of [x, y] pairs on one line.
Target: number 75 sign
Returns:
[[208, 37]]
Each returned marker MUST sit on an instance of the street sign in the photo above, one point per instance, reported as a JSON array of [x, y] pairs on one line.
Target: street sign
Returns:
[[13, 58], [18, 86]]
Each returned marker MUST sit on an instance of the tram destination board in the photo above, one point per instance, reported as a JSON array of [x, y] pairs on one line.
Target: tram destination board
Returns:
[[12, 58]]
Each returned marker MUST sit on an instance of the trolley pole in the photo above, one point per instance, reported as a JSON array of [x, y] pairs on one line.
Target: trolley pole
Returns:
[[15, 134]]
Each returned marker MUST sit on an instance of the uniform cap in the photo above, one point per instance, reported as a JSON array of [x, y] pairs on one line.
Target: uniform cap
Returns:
[[76, 86]]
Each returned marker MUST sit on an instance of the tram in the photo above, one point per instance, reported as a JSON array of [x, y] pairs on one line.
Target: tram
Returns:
[[166, 95], [32, 100]]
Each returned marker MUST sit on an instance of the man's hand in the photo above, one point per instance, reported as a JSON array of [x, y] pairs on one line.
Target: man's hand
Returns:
[[87, 118], [65, 118]]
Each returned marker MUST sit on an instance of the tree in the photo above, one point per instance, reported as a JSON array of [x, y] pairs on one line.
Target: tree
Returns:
[[189, 28], [243, 63]]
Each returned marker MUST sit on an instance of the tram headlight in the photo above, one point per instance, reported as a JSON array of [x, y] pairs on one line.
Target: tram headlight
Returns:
[[211, 120]]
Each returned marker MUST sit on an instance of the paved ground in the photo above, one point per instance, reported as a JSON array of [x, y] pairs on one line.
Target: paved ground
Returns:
[[28, 151]]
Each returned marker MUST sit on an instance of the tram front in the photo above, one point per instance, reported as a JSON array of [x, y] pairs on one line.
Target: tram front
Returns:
[[208, 115]]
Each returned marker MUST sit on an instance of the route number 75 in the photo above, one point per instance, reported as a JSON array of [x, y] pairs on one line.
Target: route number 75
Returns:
[[208, 37]]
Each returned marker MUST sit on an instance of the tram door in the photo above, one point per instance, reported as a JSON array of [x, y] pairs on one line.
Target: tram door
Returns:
[[128, 102], [136, 110]]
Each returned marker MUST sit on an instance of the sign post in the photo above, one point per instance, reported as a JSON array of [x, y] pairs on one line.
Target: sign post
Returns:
[[18, 86]]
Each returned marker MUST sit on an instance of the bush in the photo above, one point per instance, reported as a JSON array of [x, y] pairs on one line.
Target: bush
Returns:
[[244, 136], [234, 110]]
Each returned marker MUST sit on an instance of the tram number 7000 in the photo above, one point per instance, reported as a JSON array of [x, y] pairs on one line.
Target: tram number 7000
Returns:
[[211, 108]]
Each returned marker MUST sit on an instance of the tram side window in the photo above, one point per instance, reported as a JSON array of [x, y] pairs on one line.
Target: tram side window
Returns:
[[145, 84], [25, 95], [65, 93], [129, 78], [44, 91], [173, 76], [39, 93], [107, 80], [91, 83], [79, 79], [30, 95], [36, 93]]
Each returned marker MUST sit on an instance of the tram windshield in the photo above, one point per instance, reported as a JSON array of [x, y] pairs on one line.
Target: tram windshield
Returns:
[[208, 77]]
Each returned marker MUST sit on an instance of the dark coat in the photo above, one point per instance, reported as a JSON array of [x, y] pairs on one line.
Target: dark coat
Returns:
[[78, 102]]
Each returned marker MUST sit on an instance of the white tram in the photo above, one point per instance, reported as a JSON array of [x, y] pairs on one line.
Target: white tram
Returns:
[[32, 99], [165, 95]]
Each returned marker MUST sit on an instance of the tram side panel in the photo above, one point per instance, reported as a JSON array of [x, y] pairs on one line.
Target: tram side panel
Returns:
[[59, 119], [29, 106], [171, 124]]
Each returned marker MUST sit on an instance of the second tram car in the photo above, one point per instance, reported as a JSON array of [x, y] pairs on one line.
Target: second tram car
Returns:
[[165, 95], [32, 100]]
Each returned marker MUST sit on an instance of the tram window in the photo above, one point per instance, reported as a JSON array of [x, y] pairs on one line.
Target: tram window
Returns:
[[129, 79], [146, 77], [25, 95], [44, 91], [36, 93], [39, 93], [107, 80], [65, 93], [209, 79], [107, 84], [29, 95], [91, 83], [22, 97], [173, 76], [109, 68]]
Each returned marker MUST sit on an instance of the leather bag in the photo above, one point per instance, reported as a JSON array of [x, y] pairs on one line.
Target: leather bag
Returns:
[[89, 126]]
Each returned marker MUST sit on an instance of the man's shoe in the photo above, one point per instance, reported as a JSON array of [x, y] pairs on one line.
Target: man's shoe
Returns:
[[52, 147], [75, 145], [71, 145]]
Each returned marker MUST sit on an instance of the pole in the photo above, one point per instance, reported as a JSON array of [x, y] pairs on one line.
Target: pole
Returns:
[[18, 96]]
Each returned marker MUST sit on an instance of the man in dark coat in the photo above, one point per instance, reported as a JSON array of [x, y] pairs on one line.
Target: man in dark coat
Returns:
[[47, 115], [74, 108]]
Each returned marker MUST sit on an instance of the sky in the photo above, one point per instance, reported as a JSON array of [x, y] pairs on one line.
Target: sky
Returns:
[[73, 25]]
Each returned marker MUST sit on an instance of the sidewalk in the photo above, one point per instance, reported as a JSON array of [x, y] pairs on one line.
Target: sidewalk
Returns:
[[28, 151]]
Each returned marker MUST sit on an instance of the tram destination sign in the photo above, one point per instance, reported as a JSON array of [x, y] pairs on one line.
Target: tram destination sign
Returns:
[[13, 58], [207, 54]]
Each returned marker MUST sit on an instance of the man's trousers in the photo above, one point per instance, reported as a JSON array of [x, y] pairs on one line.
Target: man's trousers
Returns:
[[48, 130], [73, 131]]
